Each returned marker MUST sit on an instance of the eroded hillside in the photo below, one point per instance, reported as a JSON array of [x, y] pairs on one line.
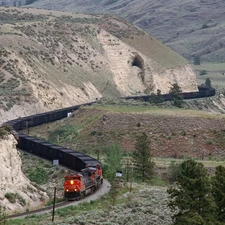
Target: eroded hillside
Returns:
[[51, 60], [189, 27]]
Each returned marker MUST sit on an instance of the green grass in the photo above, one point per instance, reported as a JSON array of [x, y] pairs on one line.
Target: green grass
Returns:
[[166, 162], [178, 112], [157, 51]]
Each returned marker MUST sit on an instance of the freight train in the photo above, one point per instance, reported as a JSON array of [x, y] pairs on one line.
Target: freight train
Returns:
[[74, 160]]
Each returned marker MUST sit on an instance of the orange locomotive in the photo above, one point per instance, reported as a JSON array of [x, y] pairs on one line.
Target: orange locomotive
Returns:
[[78, 185]]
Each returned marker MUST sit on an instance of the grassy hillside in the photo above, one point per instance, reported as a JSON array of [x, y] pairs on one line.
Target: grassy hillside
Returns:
[[189, 27], [47, 55], [177, 133]]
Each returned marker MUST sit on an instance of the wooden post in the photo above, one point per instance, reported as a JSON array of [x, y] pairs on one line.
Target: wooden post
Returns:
[[53, 210], [127, 171], [131, 179]]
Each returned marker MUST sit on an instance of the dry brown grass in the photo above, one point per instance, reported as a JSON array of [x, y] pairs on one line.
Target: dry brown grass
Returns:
[[173, 133]]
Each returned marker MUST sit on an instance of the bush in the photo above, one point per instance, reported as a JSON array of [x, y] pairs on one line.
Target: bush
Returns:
[[3, 219], [11, 197], [3, 132], [204, 26], [38, 175], [202, 72]]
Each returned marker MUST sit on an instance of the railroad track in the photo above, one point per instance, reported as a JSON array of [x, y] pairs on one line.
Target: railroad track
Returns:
[[101, 191]]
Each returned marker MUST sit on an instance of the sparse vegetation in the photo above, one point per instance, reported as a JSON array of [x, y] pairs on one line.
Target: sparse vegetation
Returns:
[[3, 220], [15, 197]]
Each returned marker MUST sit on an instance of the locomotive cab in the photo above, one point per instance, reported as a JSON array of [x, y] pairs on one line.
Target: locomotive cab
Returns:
[[73, 186], [81, 184]]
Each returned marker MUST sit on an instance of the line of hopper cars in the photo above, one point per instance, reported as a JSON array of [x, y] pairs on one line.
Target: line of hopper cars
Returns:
[[73, 160], [202, 92]]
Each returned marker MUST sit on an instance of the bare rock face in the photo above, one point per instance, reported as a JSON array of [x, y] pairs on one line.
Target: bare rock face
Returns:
[[16, 191], [134, 72]]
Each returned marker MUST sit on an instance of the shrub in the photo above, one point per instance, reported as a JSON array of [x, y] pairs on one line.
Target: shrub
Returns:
[[3, 132], [3, 219], [38, 175], [202, 72], [175, 170], [11, 197], [204, 26]]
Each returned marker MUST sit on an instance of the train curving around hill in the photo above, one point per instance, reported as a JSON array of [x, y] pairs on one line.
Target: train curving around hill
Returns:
[[89, 176]]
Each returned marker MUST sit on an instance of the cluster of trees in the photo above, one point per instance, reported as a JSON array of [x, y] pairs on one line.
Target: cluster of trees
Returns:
[[142, 164], [198, 198], [175, 94]]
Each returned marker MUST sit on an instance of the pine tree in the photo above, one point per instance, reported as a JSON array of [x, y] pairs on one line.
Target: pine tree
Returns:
[[175, 95], [191, 199], [142, 157], [156, 98], [208, 82], [218, 191]]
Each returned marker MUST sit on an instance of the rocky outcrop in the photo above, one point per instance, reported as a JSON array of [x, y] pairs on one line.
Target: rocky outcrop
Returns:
[[135, 73], [16, 191]]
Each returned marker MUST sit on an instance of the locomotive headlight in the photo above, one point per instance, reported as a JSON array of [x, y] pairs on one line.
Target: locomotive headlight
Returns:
[[75, 189], [71, 182]]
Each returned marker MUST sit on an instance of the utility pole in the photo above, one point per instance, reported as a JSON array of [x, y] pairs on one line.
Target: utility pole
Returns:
[[127, 171], [128, 166], [131, 179]]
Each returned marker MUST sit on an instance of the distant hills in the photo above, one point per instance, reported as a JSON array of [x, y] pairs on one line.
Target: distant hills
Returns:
[[192, 28]]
